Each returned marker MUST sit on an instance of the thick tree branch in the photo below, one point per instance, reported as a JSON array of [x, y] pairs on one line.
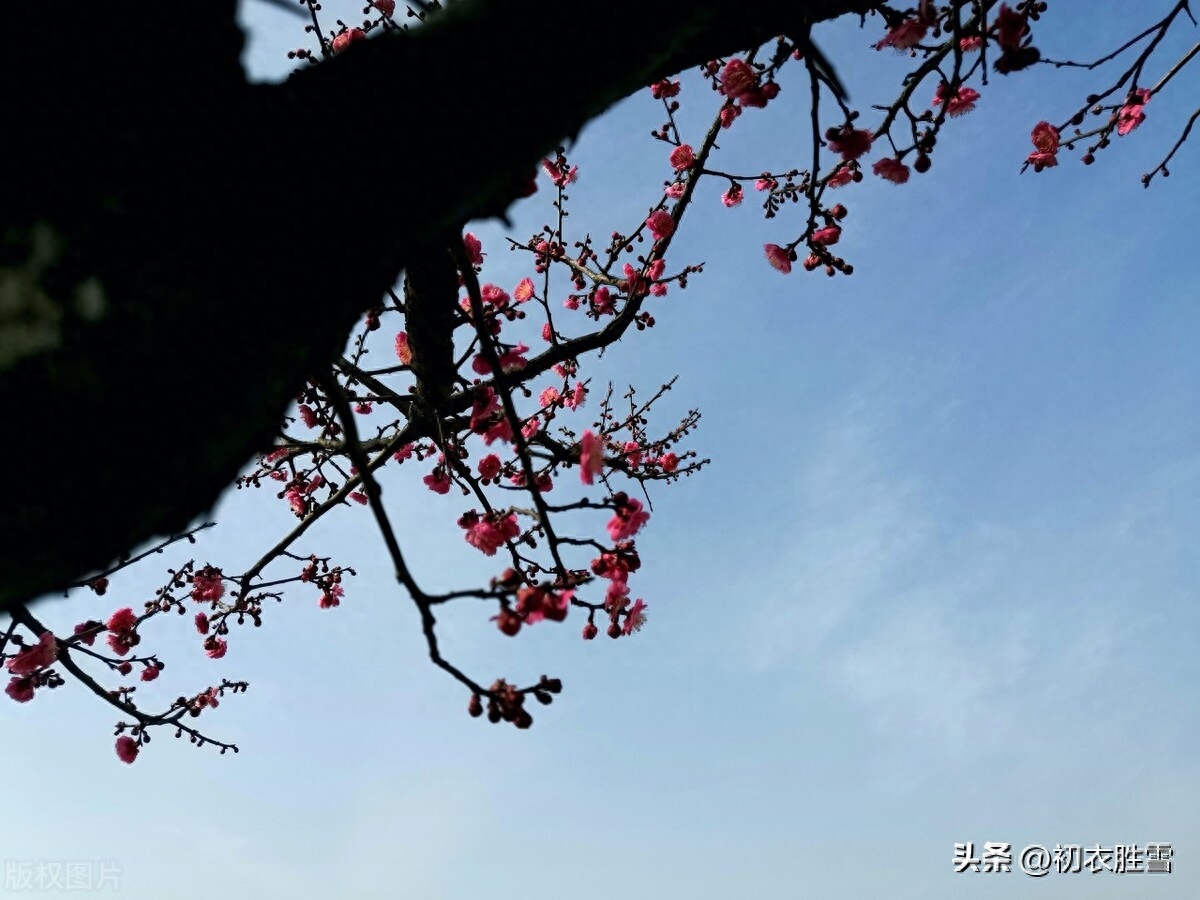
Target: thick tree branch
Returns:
[[176, 262]]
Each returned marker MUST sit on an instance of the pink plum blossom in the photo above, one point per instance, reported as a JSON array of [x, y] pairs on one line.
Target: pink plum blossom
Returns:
[[36, 656], [207, 585], [905, 35], [889, 169], [628, 518], [958, 104], [661, 224], [127, 749], [682, 157], [778, 257], [1130, 116], [591, 457], [850, 142], [830, 234], [20, 689], [1045, 140]]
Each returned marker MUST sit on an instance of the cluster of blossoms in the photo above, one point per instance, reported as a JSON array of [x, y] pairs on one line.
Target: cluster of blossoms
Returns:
[[30, 668]]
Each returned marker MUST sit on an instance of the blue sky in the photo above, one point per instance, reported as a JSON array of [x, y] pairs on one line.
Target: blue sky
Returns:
[[938, 584]]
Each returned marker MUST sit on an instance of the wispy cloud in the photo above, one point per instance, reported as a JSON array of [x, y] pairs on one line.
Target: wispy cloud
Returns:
[[955, 639]]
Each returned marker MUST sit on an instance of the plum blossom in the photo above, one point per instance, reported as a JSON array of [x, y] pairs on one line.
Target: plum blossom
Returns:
[[615, 565], [494, 295], [35, 657], [635, 618], [575, 399], [20, 689], [628, 518], [739, 82], [524, 290], [617, 594], [665, 89], [331, 597], [438, 481], [499, 430], [840, 177], [559, 175], [889, 169], [387, 7], [733, 196], [1130, 116], [661, 224], [737, 78], [348, 37], [489, 467], [207, 585], [514, 358], [778, 257], [961, 103], [591, 457], [507, 621], [1045, 140], [555, 606], [682, 157], [122, 620], [474, 249], [830, 234], [905, 35], [487, 419], [488, 533], [127, 749], [215, 647], [296, 500], [1010, 28], [850, 142]]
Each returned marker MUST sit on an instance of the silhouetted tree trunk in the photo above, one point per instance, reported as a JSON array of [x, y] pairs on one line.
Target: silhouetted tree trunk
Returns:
[[177, 258]]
